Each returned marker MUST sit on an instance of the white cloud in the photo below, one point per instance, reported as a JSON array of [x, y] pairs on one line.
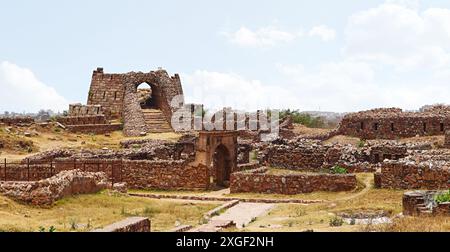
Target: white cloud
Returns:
[[217, 90], [22, 91], [323, 32], [354, 85], [264, 37], [400, 36]]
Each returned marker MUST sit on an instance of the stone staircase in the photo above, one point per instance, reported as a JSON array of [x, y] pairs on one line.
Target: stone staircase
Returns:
[[156, 121]]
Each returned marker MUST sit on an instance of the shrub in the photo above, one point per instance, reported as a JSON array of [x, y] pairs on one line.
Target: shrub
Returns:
[[336, 222], [303, 118], [361, 143], [338, 170], [443, 197]]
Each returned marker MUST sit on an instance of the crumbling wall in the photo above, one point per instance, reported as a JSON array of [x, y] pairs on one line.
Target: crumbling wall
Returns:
[[118, 96], [46, 192], [393, 123], [16, 120], [420, 203], [83, 120], [258, 181], [79, 110], [414, 174], [312, 155]]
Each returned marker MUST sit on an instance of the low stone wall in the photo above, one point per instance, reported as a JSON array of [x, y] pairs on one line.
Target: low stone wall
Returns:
[[419, 203], [164, 175], [311, 155], [21, 172], [130, 225], [258, 181], [83, 120], [410, 175], [94, 128], [16, 120], [305, 158], [144, 174], [46, 192]]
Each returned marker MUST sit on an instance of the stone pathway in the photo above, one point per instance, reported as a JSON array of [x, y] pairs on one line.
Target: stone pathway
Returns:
[[240, 216], [244, 213]]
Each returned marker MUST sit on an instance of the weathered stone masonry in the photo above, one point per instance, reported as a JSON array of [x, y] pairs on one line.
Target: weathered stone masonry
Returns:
[[425, 170], [418, 203], [393, 123], [118, 96], [257, 181]]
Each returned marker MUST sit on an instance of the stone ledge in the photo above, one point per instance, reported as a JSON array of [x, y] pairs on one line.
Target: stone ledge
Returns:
[[130, 225]]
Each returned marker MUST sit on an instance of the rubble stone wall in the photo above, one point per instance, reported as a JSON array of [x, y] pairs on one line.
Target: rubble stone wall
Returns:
[[164, 175], [409, 175], [258, 181], [394, 123], [418, 203], [79, 110], [118, 96], [83, 120], [94, 128], [16, 120], [46, 192]]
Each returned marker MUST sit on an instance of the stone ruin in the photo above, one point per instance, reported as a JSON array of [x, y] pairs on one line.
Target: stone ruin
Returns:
[[46, 192], [114, 102], [420, 169], [393, 123], [423, 203]]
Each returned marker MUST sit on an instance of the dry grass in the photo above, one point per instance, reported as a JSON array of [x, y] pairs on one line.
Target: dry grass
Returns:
[[87, 212], [295, 217], [54, 138], [344, 140], [418, 224], [300, 129]]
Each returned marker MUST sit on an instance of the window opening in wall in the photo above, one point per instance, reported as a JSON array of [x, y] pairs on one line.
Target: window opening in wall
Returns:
[[392, 127], [375, 126], [442, 127]]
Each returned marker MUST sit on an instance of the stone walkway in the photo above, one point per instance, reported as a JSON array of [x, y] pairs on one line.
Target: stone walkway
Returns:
[[240, 215]]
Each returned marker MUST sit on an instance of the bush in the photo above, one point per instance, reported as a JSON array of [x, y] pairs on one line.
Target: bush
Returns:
[[338, 170], [443, 197], [304, 119], [336, 222]]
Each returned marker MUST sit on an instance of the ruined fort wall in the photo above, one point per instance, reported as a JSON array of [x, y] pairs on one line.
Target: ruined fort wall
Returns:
[[164, 175], [393, 126], [107, 90], [83, 120], [401, 175], [257, 181], [144, 174]]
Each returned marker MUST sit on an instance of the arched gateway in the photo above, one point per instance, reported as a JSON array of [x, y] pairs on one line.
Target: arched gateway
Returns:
[[119, 98], [217, 150]]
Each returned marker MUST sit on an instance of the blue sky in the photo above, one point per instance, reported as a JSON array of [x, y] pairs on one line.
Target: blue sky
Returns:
[[308, 55]]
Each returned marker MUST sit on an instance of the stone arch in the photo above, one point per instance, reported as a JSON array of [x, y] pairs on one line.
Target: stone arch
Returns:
[[149, 97], [222, 165]]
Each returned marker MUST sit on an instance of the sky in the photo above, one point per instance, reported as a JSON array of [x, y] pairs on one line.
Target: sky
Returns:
[[321, 55]]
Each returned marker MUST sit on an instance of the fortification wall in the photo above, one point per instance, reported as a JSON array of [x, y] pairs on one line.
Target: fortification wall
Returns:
[[394, 123], [258, 181]]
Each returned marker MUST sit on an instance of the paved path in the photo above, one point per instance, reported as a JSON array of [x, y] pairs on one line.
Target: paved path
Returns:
[[244, 213]]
